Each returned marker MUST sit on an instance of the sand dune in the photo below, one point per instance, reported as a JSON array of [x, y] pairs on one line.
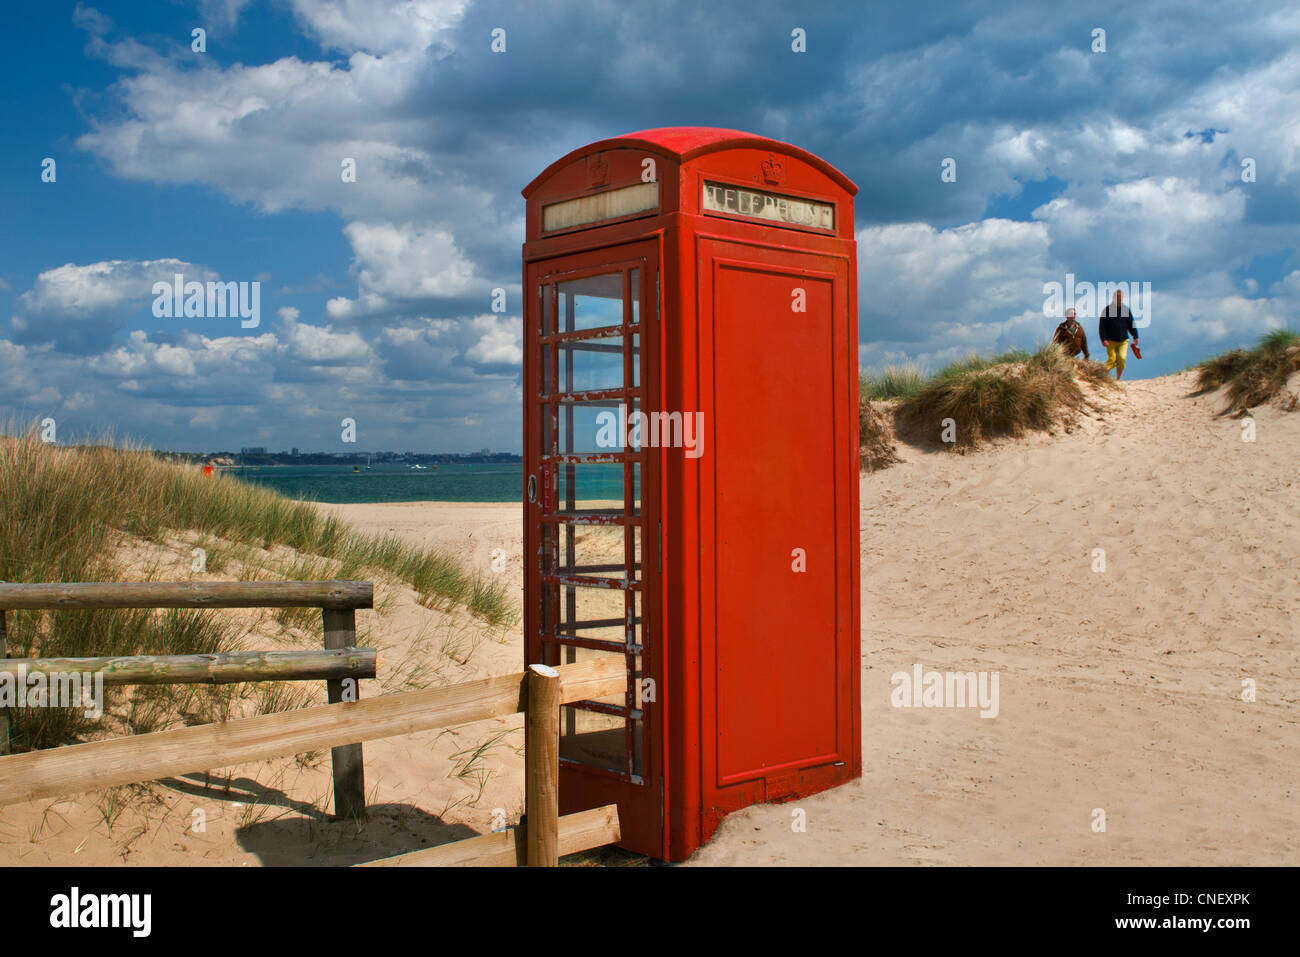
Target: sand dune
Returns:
[[1119, 690]]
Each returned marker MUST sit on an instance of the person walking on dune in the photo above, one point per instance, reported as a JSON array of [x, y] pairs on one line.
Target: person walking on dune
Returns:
[[1071, 336], [1114, 327]]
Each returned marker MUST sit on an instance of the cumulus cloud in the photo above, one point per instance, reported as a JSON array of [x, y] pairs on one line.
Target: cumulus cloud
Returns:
[[1152, 227], [500, 341], [453, 350], [379, 26], [97, 288], [79, 308], [402, 263], [933, 295], [939, 293], [316, 345], [1146, 143], [222, 13]]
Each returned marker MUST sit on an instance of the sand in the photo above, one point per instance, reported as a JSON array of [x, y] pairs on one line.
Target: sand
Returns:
[[1119, 690]]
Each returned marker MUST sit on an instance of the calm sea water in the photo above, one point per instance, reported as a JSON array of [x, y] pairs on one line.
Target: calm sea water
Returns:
[[400, 483], [389, 483]]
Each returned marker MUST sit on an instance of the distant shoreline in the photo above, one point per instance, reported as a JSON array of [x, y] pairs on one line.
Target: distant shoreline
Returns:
[[390, 483]]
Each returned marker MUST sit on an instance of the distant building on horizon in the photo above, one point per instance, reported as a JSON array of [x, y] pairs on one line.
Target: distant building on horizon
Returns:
[[253, 450]]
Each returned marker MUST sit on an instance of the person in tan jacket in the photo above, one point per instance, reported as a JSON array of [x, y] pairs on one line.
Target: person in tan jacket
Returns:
[[1071, 336]]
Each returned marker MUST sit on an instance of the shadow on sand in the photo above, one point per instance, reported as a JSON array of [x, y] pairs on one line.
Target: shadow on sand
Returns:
[[282, 831]]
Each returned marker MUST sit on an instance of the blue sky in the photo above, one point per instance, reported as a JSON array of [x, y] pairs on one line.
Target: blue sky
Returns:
[[1115, 166]]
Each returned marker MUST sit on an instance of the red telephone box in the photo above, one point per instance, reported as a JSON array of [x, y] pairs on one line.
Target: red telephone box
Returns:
[[691, 477]]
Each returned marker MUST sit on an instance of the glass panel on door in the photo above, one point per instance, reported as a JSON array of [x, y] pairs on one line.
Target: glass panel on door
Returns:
[[590, 568]]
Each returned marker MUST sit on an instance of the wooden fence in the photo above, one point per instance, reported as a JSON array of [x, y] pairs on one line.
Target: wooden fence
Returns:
[[538, 692], [339, 661]]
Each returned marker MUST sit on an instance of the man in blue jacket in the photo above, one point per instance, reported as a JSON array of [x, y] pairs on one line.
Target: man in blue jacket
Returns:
[[1114, 327]]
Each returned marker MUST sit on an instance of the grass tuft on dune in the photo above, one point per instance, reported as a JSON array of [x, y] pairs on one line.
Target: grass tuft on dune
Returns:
[[1003, 394], [895, 382], [1252, 376], [66, 512]]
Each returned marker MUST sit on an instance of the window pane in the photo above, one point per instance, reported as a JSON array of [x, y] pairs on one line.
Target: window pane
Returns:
[[591, 302], [599, 552], [592, 364], [594, 427], [590, 736], [583, 487]]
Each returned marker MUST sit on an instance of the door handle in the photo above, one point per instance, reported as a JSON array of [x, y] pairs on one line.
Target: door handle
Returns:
[[532, 488]]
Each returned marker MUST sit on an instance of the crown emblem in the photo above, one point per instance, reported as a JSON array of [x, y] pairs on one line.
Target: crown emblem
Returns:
[[597, 170], [772, 170]]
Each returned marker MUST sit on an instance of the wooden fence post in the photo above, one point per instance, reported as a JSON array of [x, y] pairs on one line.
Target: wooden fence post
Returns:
[[542, 766], [349, 771], [4, 716]]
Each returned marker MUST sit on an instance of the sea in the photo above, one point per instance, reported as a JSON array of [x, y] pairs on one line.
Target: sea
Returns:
[[449, 482]]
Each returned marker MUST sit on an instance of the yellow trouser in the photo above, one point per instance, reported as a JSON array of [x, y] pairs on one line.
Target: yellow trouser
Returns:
[[1116, 353]]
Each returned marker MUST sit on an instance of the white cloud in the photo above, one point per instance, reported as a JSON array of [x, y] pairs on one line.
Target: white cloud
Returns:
[[402, 262], [379, 26], [1156, 225], [78, 292], [913, 275], [932, 295], [221, 13], [500, 341], [313, 344], [442, 145], [209, 359]]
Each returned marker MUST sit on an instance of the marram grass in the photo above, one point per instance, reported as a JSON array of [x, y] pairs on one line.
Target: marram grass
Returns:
[[1005, 394], [1252, 376], [65, 511]]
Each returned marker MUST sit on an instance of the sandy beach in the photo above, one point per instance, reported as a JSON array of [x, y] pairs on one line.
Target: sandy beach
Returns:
[[1120, 690]]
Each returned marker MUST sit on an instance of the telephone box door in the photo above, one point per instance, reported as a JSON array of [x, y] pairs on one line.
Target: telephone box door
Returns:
[[590, 561]]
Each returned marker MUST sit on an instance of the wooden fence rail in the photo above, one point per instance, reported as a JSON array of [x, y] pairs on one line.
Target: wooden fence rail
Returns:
[[326, 594], [224, 667], [147, 757], [576, 832], [341, 663]]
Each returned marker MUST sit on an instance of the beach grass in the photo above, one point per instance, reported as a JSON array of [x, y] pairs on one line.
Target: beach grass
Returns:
[[905, 381], [1005, 393], [66, 513], [1252, 376], [1008, 393], [977, 363], [895, 382], [876, 448]]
